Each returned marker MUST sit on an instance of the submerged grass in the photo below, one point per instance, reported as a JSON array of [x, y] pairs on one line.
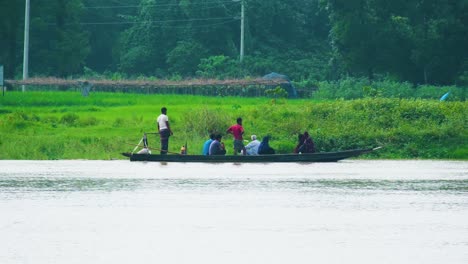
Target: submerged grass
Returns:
[[65, 125]]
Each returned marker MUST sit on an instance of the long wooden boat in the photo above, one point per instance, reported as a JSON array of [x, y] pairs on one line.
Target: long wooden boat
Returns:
[[312, 157]]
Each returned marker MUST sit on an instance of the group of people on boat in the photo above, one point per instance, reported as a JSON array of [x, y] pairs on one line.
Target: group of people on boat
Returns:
[[215, 146]]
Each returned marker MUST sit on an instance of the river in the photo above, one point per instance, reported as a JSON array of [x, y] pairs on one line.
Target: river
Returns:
[[353, 211]]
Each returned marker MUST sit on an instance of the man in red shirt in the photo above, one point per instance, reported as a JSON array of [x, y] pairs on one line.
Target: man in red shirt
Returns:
[[237, 131]]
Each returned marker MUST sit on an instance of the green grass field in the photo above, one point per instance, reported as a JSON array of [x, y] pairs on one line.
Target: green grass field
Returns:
[[65, 125]]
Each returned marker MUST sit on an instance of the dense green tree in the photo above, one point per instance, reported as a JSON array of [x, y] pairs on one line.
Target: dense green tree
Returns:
[[105, 20], [417, 40], [440, 38], [163, 28], [58, 44], [186, 57], [422, 41], [11, 23]]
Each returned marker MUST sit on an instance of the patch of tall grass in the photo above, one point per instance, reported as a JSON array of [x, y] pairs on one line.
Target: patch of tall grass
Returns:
[[358, 88], [65, 125]]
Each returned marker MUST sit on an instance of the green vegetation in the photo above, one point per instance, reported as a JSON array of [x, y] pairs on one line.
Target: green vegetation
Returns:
[[421, 42], [65, 125]]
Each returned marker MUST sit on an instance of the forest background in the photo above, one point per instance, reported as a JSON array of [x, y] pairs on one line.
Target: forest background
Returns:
[[414, 41]]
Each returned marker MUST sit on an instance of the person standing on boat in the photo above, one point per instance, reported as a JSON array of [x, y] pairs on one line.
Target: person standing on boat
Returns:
[[237, 131], [252, 147], [217, 147], [164, 130], [206, 146]]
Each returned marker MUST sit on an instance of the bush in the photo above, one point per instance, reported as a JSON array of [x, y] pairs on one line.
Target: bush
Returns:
[[185, 57], [69, 119]]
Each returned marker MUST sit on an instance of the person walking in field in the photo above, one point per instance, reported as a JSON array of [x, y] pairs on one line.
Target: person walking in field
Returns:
[[164, 130], [237, 131]]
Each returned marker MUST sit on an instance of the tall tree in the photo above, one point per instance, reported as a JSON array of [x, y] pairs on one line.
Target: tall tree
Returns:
[[162, 29], [105, 20], [440, 37], [357, 34], [11, 20], [417, 40], [59, 45]]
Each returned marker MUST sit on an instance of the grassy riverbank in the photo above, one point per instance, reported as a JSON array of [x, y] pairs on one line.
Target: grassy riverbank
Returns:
[[65, 125]]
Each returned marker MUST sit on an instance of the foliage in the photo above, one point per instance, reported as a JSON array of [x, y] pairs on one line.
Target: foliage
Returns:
[[59, 45], [64, 125], [185, 57], [311, 41], [217, 67], [419, 41], [354, 88], [276, 92]]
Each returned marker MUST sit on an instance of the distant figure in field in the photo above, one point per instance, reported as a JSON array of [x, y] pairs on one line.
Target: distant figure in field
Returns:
[[237, 131], [264, 148], [217, 147], [164, 130], [252, 147], [206, 145]]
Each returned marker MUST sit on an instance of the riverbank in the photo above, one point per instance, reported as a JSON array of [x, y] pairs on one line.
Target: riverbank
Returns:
[[66, 125]]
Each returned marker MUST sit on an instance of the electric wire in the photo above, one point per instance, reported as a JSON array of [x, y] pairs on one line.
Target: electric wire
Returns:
[[160, 5], [197, 26], [151, 21]]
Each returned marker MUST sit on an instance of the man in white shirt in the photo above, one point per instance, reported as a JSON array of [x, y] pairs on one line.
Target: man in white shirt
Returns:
[[252, 147], [164, 130]]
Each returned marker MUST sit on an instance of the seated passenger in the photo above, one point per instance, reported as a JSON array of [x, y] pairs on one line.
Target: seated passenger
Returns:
[[252, 147], [264, 148], [308, 145], [299, 143], [144, 150], [217, 147], [206, 146]]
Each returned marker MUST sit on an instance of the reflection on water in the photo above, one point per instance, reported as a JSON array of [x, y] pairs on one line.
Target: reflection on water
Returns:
[[124, 212], [19, 185]]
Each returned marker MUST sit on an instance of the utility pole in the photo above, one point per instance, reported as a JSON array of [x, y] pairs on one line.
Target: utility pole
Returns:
[[26, 44], [241, 57], [1, 75]]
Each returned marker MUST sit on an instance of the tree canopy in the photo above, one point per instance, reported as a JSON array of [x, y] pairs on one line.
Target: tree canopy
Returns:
[[420, 41]]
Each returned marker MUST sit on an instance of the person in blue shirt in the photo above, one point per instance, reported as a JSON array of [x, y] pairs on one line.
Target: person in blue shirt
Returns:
[[217, 147], [206, 146]]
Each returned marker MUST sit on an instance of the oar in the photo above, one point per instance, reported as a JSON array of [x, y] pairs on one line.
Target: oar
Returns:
[[137, 145]]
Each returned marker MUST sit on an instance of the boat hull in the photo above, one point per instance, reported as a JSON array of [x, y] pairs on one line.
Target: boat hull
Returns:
[[312, 157]]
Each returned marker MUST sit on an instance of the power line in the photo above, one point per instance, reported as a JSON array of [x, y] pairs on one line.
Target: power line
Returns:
[[205, 25], [200, 26], [151, 21], [160, 5]]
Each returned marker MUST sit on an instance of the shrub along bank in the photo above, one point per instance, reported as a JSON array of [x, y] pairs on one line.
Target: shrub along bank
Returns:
[[65, 125]]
